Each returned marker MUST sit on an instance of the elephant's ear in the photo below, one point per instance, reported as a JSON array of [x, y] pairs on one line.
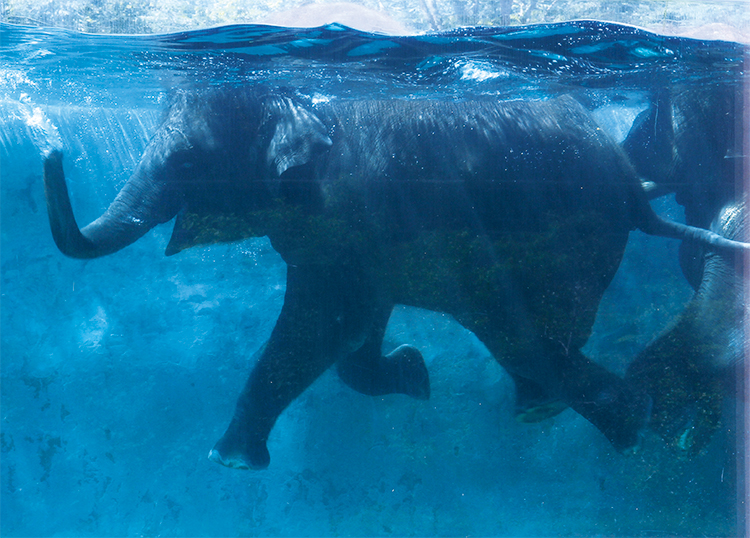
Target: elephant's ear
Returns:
[[298, 136]]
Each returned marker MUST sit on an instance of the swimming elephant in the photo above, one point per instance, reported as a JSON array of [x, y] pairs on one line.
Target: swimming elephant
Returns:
[[690, 142], [689, 368], [512, 216]]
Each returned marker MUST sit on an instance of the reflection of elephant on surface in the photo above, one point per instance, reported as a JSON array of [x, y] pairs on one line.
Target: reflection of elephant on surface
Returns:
[[511, 216], [692, 141]]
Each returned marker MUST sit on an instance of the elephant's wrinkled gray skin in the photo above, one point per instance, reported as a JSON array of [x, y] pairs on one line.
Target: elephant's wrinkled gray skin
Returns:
[[511, 216], [689, 142]]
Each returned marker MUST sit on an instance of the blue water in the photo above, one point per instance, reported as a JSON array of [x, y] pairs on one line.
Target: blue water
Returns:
[[119, 374]]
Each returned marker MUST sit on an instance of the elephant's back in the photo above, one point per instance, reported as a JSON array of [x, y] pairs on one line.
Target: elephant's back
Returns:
[[494, 166]]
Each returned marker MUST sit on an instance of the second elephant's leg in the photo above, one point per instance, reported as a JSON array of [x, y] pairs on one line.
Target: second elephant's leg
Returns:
[[687, 396], [322, 319]]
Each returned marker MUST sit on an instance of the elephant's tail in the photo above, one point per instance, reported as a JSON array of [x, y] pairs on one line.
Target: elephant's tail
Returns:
[[655, 225]]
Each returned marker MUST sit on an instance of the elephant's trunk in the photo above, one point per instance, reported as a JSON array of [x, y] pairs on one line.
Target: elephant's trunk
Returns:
[[653, 224], [138, 207]]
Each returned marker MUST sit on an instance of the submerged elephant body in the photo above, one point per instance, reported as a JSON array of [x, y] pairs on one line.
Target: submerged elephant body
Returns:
[[511, 216]]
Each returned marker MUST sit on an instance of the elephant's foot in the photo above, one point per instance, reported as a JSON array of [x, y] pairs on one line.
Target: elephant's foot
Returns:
[[233, 451], [402, 371], [616, 407], [625, 421]]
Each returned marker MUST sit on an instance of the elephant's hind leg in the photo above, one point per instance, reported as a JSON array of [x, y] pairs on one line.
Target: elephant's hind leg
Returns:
[[402, 371], [610, 403]]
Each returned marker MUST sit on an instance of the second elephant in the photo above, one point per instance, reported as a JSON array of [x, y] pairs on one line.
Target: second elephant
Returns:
[[689, 142]]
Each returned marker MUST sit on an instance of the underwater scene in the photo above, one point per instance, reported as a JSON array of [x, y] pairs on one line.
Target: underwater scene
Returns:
[[262, 281]]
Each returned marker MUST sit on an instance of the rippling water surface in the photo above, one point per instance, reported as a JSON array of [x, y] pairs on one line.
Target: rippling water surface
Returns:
[[335, 60]]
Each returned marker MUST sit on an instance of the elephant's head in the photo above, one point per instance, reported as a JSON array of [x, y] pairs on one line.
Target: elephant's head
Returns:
[[217, 158], [689, 142]]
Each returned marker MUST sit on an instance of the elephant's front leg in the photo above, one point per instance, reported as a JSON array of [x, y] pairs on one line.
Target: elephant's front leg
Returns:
[[326, 314]]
